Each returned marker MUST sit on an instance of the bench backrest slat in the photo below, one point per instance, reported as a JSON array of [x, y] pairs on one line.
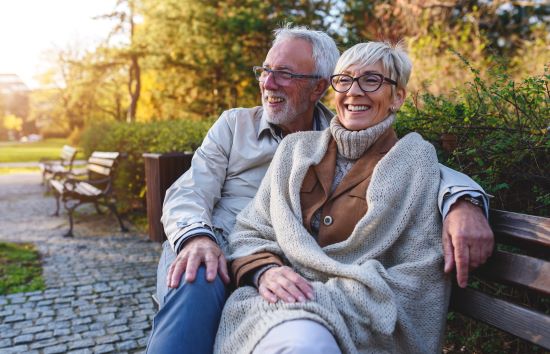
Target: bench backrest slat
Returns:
[[105, 171], [101, 162], [520, 229], [68, 152], [522, 322], [106, 155], [516, 269]]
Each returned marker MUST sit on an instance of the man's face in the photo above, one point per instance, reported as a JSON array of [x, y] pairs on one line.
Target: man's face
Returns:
[[285, 105]]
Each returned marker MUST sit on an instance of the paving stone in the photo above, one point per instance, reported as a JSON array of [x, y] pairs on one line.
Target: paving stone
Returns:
[[136, 334], [16, 350], [107, 339], [82, 343], [104, 348], [44, 343], [6, 313], [43, 335], [23, 339], [5, 342], [94, 333], [80, 321], [14, 318], [10, 333], [81, 351], [127, 345], [32, 330], [61, 332], [60, 348]]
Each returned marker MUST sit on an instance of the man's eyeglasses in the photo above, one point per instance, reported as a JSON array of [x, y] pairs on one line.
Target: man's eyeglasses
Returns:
[[368, 82], [281, 77]]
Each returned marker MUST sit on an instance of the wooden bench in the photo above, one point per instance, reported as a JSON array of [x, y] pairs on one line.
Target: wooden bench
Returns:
[[524, 265], [521, 261], [97, 188], [56, 169]]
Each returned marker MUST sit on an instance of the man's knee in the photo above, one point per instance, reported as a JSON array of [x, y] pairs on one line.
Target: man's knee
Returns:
[[200, 290]]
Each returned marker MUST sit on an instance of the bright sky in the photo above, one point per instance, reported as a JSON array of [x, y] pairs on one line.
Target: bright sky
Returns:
[[28, 28]]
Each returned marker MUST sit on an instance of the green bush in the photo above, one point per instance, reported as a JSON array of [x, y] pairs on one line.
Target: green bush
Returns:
[[501, 136], [133, 140]]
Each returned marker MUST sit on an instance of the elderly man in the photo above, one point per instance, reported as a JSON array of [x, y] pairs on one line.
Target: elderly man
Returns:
[[200, 208]]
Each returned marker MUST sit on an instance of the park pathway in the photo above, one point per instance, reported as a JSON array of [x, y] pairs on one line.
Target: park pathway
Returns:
[[98, 284]]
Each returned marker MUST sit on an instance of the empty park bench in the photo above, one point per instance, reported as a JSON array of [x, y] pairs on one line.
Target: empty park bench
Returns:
[[520, 262], [97, 188], [55, 169]]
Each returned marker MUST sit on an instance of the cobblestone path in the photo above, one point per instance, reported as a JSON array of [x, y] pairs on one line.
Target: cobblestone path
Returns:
[[98, 284]]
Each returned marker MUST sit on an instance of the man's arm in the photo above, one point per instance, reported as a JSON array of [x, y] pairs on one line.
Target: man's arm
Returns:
[[467, 237], [188, 205]]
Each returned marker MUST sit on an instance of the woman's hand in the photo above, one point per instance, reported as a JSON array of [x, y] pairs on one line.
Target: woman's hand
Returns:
[[285, 284]]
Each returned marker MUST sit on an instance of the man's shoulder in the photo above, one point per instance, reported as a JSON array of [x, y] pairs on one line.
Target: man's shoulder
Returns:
[[242, 114]]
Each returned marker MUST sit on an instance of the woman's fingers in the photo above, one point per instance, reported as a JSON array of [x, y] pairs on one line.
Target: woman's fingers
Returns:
[[284, 284]]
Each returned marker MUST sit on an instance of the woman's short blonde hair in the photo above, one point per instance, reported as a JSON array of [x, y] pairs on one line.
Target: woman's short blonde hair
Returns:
[[395, 60]]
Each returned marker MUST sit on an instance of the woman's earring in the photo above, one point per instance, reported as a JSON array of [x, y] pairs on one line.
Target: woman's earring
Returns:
[[392, 109]]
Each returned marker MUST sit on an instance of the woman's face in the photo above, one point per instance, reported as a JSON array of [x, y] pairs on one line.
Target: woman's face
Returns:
[[358, 110]]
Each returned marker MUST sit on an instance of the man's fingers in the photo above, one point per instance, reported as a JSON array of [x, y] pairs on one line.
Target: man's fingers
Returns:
[[193, 264], [211, 263], [222, 269], [448, 252], [475, 256], [176, 271], [462, 265]]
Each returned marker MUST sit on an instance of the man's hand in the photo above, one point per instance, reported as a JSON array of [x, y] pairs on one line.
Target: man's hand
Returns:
[[198, 250], [285, 284], [467, 239]]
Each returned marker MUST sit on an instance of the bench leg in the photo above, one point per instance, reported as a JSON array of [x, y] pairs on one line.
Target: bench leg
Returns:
[[70, 211], [97, 208], [113, 209], [56, 195]]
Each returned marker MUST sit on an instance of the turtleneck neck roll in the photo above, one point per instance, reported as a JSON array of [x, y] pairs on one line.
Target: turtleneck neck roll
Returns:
[[353, 144]]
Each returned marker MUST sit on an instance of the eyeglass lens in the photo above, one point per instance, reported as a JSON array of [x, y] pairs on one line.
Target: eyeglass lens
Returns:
[[367, 83]]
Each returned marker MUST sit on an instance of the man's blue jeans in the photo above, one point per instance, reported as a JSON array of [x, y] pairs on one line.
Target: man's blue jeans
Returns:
[[189, 315]]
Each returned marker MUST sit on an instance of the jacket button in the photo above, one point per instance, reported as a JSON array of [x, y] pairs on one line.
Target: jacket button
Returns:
[[327, 220]]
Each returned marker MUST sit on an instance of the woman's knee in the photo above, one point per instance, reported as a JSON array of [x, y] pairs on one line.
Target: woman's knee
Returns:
[[298, 337]]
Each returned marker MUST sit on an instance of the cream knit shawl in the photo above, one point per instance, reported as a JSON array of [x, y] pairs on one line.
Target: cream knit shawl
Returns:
[[380, 291]]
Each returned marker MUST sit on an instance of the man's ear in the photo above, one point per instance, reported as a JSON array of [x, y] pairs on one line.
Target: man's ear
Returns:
[[319, 89]]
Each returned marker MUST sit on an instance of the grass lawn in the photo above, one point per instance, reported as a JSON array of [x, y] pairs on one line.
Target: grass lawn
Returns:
[[10, 170], [30, 152], [20, 268]]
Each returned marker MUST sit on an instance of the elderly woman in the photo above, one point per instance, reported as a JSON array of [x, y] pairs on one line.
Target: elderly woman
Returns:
[[343, 239]]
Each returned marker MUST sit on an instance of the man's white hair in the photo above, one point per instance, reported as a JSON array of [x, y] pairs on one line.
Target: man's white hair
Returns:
[[325, 52], [395, 60]]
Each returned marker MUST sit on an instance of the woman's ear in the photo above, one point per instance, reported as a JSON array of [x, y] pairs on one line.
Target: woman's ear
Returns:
[[399, 98]]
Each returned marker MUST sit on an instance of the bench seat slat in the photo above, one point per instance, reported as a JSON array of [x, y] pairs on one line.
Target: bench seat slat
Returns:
[[519, 321], [517, 269], [520, 228]]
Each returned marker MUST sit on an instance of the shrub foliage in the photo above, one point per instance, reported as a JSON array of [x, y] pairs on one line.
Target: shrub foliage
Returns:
[[496, 131], [135, 139]]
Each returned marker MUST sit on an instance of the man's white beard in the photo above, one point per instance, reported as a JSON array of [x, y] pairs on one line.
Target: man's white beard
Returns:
[[282, 116]]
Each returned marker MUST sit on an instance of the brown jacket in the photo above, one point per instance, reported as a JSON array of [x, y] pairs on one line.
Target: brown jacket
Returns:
[[341, 210]]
